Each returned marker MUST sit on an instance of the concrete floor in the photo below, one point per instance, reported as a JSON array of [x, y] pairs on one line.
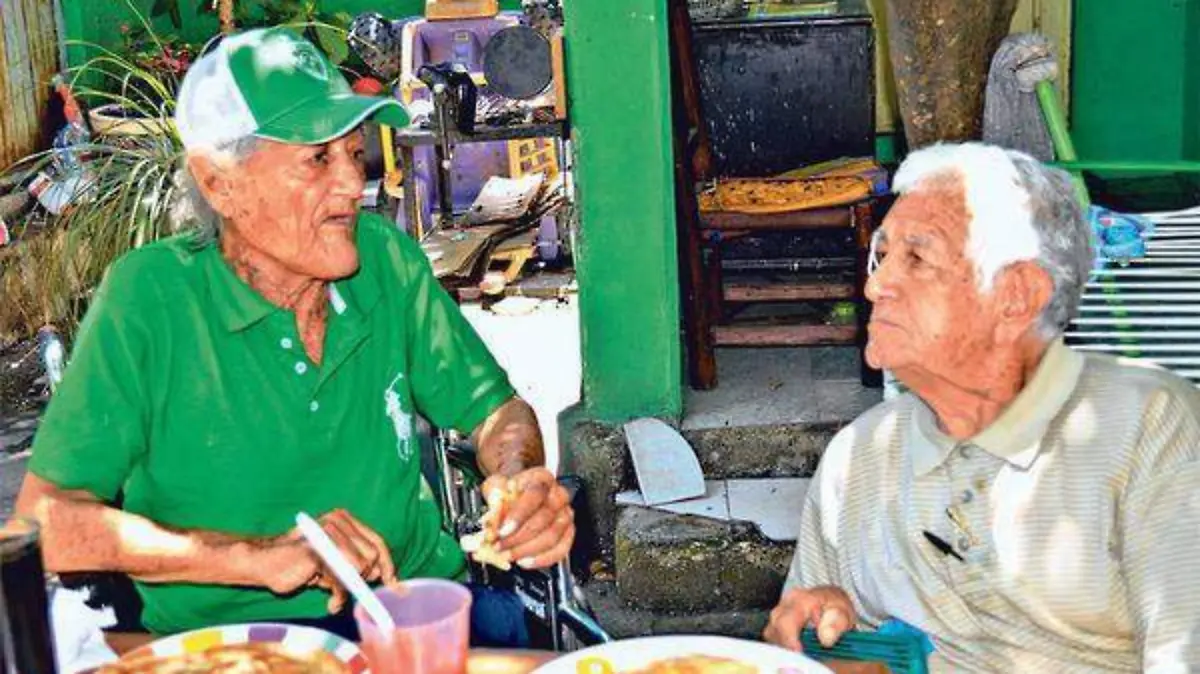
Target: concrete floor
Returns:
[[779, 386], [541, 352]]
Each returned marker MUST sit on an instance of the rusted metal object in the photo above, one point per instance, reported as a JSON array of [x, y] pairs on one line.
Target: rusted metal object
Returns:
[[28, 59], [940, 51]]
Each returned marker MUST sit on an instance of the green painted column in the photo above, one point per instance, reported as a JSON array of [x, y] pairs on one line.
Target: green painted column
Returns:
[[618, 75]]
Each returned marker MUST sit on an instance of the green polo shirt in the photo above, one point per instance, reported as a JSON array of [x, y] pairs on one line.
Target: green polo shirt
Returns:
[[193, 394]]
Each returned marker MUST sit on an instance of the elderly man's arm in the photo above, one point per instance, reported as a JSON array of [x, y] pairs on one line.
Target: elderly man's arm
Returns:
[[1160, 523], [509, 440], [539, 527], [81, 533]]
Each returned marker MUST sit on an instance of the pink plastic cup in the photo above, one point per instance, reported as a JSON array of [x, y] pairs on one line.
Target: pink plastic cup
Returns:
[[433, 629]]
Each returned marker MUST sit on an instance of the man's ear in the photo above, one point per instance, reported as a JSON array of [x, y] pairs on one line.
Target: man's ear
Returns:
[[1022, 291], [214, 179]]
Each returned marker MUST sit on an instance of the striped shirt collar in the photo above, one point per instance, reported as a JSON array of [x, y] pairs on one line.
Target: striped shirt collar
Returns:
[[1016, 435]]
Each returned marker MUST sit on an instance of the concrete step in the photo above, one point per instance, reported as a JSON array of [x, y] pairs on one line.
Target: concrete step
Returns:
[[774, 450], [625, 622], [681, 564], [598, 453]]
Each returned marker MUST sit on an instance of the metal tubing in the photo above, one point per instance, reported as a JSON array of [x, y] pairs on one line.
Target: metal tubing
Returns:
[[1150, 285], [1139, 346], [1159, 321], [1144, 296], [1149, 272], [1133, 335], [1188, 309]]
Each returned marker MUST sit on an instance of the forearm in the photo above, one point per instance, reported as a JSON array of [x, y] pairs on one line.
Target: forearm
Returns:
[[79, 533], [509, 440]]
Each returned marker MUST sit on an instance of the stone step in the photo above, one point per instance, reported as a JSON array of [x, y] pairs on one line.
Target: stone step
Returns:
[[624, 622], [777, 450], [599, 455], [680, 564]]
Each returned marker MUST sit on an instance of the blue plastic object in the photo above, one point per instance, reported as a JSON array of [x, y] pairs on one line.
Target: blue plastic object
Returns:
[[1119, 237], [902, 648]]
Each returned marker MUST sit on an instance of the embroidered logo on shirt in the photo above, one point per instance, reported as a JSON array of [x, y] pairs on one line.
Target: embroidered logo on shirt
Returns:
[[401, 419]]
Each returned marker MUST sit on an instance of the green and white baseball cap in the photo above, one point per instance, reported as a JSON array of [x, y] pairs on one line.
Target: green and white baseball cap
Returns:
[[274, 84]]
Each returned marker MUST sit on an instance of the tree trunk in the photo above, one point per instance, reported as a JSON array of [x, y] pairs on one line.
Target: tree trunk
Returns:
[[225, 13], [940, 52]]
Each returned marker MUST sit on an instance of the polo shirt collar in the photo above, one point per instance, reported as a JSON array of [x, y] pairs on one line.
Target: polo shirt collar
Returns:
[[1016, 435], [239, 306]]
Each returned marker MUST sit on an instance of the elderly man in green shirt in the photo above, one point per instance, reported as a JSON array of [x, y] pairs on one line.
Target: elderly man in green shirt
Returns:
[[271, 362]]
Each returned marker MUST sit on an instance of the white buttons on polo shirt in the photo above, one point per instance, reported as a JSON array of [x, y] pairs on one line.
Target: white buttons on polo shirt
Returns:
[[301, 368], [314, 406], [286, 342]]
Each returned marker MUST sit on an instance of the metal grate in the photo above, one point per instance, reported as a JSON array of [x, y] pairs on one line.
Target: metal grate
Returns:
[[1150, 308]]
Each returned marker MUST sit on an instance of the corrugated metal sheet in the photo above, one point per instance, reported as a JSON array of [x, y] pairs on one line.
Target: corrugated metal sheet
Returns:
[[28, 60]]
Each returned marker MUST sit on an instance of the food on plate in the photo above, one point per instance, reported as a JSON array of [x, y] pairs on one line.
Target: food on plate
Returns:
[[482, 544], [256, 658], [696, 664]]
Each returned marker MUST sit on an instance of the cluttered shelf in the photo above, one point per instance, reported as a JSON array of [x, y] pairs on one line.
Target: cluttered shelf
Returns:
[[423, 137]]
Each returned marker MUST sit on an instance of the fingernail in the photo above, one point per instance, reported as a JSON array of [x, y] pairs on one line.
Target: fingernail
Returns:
[[526, 562], [509, 527]]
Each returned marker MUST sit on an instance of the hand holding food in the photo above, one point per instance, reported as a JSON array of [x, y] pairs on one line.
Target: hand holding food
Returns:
[[529, 521]]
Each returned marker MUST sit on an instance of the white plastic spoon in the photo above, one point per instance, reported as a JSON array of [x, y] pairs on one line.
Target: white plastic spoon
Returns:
[[327, 550]]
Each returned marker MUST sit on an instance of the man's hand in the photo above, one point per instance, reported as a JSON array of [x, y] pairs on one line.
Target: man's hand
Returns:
[[828, 609], [287, 563], [539, 526]]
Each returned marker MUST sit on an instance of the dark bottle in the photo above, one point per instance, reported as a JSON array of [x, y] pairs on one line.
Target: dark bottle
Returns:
[[26, 642]]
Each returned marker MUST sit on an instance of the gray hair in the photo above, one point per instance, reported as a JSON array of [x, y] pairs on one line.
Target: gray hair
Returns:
[[1020, 209], [1064, 235], [190, 211]]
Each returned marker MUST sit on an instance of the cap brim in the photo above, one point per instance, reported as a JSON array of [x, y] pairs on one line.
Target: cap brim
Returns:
[[322, 120]]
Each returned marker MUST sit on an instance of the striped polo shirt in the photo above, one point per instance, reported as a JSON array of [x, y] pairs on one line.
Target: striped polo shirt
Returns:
[[1072, 523]]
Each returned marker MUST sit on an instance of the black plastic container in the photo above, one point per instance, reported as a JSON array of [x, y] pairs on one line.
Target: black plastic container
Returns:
[[783, 91], [26, 641]]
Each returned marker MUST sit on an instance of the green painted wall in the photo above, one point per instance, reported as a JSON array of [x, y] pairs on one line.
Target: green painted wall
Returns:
[[1191, 116], [619, 78], [1136, 79]]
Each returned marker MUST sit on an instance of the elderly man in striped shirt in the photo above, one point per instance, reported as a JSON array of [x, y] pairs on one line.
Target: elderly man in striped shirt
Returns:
[[1029, 508]]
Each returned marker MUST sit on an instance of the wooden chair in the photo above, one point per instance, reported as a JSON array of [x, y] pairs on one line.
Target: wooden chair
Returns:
[[708, 295]]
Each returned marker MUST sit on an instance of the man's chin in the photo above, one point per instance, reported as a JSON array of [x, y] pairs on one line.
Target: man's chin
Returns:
[[882, 357]]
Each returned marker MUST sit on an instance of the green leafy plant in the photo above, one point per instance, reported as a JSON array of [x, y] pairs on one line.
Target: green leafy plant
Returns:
[[122, 199], [325, 29]]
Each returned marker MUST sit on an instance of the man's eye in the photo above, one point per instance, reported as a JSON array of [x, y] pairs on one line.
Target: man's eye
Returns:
[[320, 158]]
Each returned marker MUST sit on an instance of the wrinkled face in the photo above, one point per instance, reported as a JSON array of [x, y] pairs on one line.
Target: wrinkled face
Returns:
[[928, 313], [296, 204]]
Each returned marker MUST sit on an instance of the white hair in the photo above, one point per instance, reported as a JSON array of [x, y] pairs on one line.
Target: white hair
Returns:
[[1019, 209], [190, 210]]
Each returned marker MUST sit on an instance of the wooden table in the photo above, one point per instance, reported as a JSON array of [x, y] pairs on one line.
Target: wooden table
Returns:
[[489, 661]]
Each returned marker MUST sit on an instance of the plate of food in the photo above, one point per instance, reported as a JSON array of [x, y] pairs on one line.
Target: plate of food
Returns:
[[254, 648], [683, 655]]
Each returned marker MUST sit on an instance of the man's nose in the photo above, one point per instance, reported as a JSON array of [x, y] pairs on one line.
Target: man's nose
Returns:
[[881, 283], [348, 175]]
